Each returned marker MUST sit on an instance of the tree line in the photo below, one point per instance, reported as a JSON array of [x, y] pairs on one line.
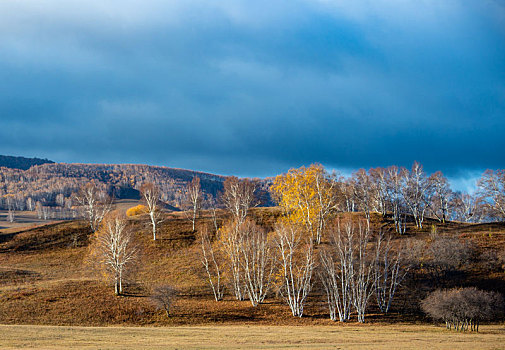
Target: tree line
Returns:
[[50, 190]]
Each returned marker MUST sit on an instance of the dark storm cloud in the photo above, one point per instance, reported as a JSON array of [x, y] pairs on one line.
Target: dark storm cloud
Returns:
[[246, 88]]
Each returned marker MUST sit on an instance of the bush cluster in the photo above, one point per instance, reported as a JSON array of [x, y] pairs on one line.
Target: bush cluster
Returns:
[[139, 209], [463, 308]]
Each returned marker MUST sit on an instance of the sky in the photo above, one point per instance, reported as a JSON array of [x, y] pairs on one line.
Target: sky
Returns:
[[253, 88]]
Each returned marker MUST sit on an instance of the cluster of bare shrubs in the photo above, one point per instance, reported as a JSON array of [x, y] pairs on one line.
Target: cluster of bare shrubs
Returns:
[[445, 255], [463, 308]]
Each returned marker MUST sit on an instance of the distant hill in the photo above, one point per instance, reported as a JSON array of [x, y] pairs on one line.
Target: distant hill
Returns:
[[21, 163]]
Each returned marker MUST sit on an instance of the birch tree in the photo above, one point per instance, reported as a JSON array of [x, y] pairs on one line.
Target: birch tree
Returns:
[[194, 199], [229, 240], [95, 202], [390, 270], [492, 186], [212, 264], [238, 197], [364, 192], [379, 178], [363, 271], [440, 203], [257, 261], [114, 249], [395, 182], [151, 196], [467, 207], [296, 252], [347, 270], [417, 193], [337, 272], [307, 196]]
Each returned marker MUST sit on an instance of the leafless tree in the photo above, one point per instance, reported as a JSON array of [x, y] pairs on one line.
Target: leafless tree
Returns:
[[256, 259], [390, 270], [364, 192], [379, 177], [468, 207], [363, 271], [212, 267], [194, 199], [238, 197], [337, 272], [395, 181], [151, 197], [163, 298], [348, 269], [297, 265], [213, 213], [30, 204], [60, 199], [95, 203], [417, 193], [440, 203], [11, 216], [347, 193], [115, 249], [492, 186], [229, 240]]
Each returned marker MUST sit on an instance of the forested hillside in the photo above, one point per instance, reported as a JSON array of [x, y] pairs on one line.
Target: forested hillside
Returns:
[[21, 163], [53, 184]]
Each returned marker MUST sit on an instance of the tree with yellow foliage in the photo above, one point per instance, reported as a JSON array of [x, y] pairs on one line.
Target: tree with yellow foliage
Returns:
[[137, 210], [307, 196]]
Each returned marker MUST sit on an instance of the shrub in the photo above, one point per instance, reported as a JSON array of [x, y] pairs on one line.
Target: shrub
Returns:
[[163, 297], [445, 255], [139, 209], [492, 260], [461, 308]]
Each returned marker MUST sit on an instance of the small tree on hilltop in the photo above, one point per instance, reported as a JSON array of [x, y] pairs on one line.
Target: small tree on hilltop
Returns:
[[151, 196]]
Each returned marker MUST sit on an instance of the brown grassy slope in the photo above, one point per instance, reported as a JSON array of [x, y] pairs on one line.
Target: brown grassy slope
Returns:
[[44, 278]]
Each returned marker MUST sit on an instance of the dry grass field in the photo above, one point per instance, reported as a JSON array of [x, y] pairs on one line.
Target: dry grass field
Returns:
[[242, 337]]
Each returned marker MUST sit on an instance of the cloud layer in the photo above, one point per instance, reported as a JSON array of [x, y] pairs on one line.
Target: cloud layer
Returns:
[[253, 88]]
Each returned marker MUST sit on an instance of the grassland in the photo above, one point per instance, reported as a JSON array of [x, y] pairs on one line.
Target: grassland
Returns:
[[258, 337]]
